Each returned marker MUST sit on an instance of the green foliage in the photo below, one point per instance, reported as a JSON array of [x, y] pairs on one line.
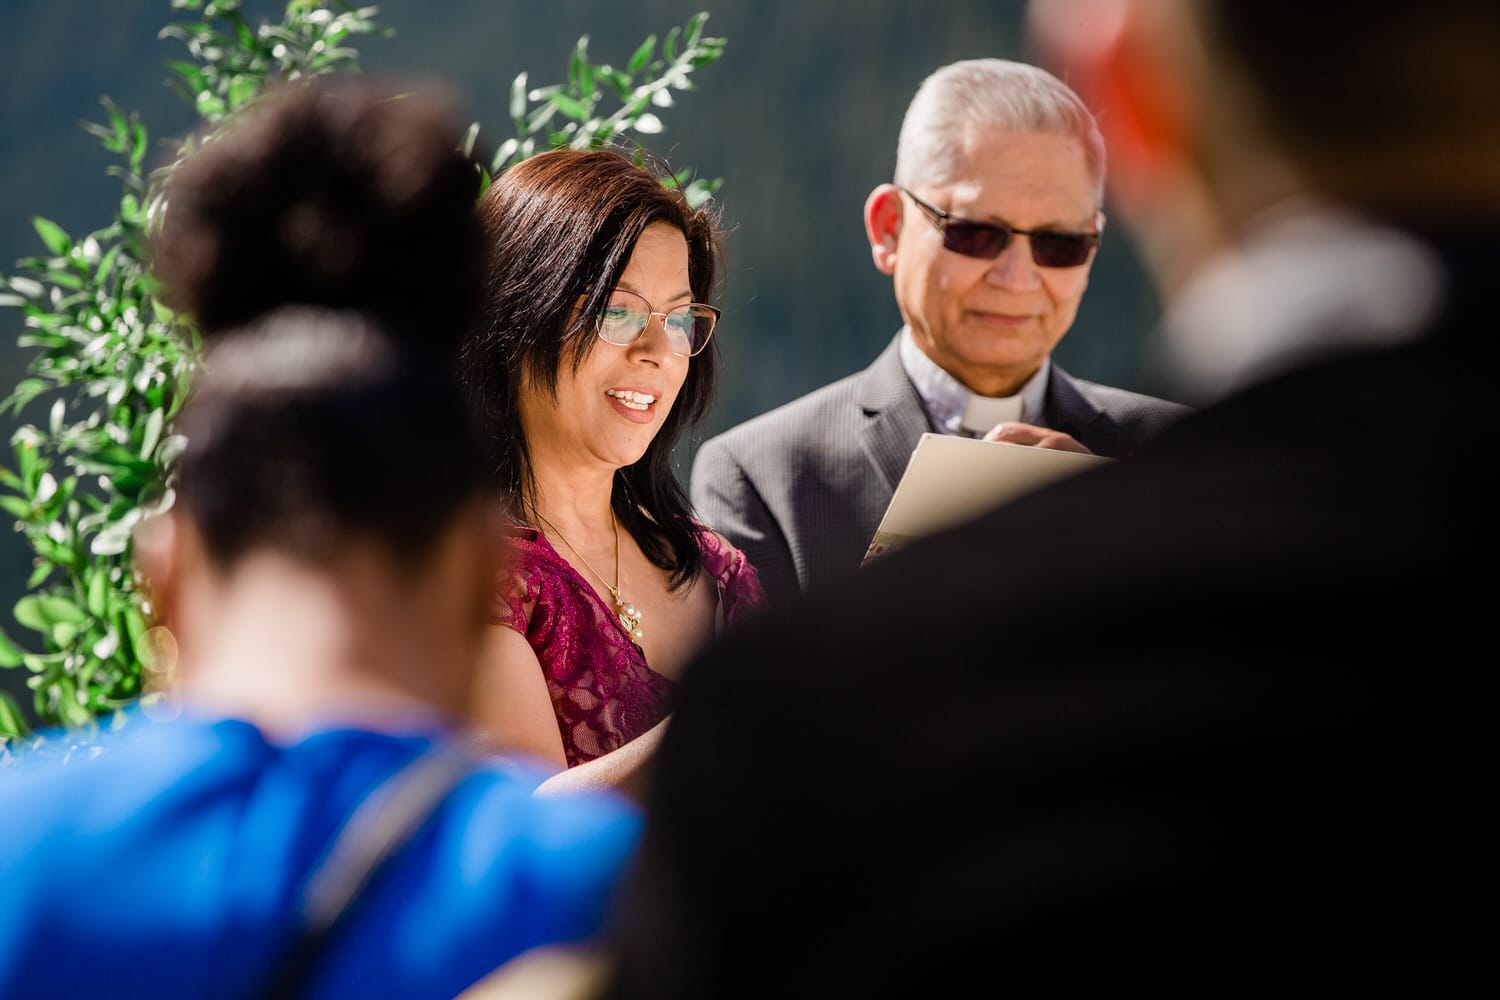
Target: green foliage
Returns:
[[116, 365], [568, 114], [231, 61]]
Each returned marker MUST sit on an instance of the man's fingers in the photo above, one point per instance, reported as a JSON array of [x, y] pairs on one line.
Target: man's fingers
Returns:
[[1012, 432]]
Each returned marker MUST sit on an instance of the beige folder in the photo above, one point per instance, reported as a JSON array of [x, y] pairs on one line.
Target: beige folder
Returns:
[[951, 479]]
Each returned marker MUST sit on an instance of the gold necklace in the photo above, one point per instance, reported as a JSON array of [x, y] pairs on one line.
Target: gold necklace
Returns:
[[629, 617]]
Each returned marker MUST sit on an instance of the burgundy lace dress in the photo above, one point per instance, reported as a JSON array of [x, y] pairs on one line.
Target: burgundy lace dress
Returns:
[[602, 690]]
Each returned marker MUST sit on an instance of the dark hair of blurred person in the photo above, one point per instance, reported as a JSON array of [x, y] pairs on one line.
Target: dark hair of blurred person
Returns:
[[312, 822]]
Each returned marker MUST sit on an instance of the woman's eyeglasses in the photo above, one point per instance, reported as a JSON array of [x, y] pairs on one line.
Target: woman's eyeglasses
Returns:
[[688, 326], [987, 240]]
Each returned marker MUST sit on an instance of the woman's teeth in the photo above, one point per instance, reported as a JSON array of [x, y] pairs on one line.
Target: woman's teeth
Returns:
[[630, 398]]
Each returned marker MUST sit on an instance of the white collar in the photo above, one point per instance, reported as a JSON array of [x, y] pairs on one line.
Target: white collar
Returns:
[[1307, 279], [953, 408]]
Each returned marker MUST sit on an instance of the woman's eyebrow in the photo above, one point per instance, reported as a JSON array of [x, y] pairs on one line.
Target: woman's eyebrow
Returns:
[[687, 294]]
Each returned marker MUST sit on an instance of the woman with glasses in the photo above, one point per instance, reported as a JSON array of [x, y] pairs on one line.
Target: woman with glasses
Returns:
[[593, 354]]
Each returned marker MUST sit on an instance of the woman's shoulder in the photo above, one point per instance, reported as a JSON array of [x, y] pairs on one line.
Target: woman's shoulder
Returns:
[[532, 573], [727, 564], [719, 553], [528, 552]]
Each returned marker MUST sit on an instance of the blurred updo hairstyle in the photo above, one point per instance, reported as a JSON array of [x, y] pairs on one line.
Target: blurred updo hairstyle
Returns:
[[326, 245]]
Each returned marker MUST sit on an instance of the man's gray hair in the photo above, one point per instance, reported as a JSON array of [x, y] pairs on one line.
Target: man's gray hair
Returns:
[[989, 94]]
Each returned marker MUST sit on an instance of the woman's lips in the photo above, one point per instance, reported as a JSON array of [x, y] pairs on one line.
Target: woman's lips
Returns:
[[634, 404], [636, 399]]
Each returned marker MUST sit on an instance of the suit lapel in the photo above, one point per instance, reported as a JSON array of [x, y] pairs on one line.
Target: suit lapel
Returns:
[[1069, 411], [894, 418]]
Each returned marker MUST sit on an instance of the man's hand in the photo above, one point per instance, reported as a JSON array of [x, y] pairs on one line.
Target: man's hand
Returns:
[[1012, 432]]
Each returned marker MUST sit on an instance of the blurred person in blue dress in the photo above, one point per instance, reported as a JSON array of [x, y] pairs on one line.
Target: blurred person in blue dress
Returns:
[[312, 823]]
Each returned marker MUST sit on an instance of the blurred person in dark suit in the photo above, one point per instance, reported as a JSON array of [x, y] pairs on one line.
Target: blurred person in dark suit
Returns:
[[988, 233], [1195, 717]]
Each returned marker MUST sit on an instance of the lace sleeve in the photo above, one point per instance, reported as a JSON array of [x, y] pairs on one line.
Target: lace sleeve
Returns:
[[740, 591], [518, 587]]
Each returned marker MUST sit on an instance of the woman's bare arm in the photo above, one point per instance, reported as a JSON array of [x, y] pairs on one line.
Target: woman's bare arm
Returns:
[[514, 714], [625, 769], [511, 705]]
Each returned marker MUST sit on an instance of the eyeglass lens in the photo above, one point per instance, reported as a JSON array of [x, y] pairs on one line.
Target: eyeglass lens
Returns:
[[982, 239], [986, 240], [688, 326]]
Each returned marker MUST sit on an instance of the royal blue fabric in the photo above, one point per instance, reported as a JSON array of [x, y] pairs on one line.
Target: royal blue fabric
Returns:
[[171, 864]]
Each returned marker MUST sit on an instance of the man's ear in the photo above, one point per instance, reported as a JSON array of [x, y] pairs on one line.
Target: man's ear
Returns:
[[883, 213]]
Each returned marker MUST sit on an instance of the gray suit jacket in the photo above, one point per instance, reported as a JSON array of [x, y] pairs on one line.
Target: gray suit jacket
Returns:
[[802, 488]]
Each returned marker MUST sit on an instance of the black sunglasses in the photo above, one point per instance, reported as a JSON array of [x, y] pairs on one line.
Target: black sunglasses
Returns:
[[987, 240]]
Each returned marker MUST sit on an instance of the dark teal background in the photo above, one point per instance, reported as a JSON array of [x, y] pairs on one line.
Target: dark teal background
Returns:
[[799, 118]]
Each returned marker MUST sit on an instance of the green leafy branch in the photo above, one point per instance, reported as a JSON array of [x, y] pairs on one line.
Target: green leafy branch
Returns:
[[232, 61], [116, 365], [118, 370], [569, 114]]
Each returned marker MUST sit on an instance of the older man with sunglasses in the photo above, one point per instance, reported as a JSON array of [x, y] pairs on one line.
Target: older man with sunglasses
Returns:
[[988, 233]]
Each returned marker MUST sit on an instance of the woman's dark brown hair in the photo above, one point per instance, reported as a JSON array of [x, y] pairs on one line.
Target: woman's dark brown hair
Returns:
[[560, 228]]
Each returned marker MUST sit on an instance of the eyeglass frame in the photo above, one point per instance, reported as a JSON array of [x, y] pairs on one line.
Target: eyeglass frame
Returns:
[[652, 311], [940, 221]]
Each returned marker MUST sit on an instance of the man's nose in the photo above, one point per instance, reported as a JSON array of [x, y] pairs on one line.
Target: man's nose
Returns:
[[1014, 269]]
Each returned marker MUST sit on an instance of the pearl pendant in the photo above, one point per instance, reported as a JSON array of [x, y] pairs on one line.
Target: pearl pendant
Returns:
[[630, 619]]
